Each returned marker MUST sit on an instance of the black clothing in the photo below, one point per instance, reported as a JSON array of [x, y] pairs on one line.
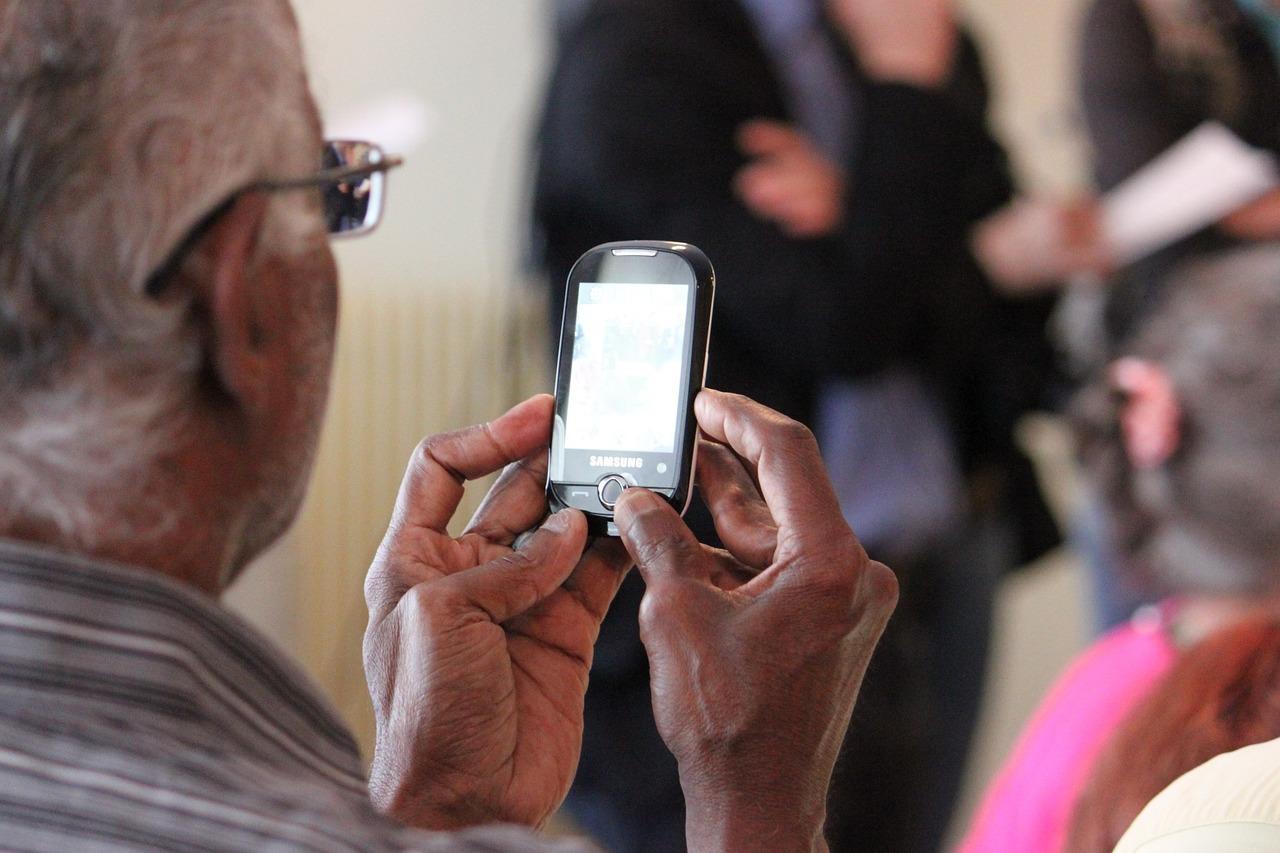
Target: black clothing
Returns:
[[638, 141]]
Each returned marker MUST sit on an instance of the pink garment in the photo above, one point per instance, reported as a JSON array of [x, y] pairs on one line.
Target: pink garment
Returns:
[[1028, 807]]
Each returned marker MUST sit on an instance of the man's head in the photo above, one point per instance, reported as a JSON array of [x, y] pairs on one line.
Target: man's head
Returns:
[[1182, 439], [165, 335]]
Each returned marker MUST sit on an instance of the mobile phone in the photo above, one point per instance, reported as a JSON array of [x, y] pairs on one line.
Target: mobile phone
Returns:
[[633, 357]]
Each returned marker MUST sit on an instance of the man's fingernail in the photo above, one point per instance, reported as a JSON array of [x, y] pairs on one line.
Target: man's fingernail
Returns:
[[634, 501], [702, 402], [558, 523]]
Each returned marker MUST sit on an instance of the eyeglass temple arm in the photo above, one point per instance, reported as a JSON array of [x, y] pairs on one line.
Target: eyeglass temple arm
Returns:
[[336, 175]]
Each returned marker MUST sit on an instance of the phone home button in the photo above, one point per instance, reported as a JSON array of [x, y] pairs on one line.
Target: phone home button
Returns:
[[610, 490]]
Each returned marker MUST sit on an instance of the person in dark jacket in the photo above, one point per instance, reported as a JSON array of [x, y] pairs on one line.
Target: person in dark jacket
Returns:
[[830, 159]]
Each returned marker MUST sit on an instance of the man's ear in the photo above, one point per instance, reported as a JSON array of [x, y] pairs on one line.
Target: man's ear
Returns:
[[1151, 416], [222, 265]]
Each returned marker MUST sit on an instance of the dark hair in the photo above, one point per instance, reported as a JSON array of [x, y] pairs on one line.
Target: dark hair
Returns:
[[1221, 695], [1208, 521]]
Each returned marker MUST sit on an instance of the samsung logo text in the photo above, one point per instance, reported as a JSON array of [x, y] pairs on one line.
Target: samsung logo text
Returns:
[[617, 462]]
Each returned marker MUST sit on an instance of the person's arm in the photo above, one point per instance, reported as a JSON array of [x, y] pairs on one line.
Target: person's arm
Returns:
[[915, 190], [987, 181], [756, 652]]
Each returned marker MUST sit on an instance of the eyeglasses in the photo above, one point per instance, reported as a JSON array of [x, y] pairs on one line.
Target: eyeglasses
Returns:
[[353, 176], [354, 179]]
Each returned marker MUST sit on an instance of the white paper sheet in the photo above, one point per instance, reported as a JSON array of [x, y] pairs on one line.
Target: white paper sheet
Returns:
[[1201, 179]]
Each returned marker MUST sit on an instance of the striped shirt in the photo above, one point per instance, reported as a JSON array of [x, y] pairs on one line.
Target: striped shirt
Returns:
[[136, 713]]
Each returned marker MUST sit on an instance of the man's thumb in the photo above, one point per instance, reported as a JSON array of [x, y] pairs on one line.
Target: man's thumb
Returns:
[[509, 586], [658, 540]]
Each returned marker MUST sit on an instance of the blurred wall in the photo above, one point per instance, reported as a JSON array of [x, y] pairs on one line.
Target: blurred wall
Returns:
[[437, 333], [1030, 51]]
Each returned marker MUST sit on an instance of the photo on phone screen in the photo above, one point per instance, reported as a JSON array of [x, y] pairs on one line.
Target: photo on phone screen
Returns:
[[632, 358], [628, 367]]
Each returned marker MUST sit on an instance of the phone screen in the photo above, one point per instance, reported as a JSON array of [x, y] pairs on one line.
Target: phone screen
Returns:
[[627, 383], [628, 367]]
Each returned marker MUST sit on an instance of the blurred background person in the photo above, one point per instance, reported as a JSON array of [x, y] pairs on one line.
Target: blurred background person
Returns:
[[1151, 72], [1182, 438], [830, 158]]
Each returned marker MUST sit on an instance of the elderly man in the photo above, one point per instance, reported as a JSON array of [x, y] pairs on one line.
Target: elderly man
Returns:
[[167, 312]]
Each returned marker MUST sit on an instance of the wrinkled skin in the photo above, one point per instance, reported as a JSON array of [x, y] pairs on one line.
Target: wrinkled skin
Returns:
[[477, 654], [756, 652]]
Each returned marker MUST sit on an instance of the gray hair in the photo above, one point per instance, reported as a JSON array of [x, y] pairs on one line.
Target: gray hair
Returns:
[[1208, 521], [122, 124]]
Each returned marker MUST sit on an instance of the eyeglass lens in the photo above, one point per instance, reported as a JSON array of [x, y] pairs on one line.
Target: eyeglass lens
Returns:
[[353, 207]]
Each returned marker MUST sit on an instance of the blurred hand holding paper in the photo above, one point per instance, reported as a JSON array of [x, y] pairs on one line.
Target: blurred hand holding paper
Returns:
[[1197, 182]]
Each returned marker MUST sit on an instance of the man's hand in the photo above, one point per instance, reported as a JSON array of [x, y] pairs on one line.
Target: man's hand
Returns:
[[900, 41], [756, 653], [476, 654], [789, 181]]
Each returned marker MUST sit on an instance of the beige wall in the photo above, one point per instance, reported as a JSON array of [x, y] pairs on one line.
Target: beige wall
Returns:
[[1030, 50], [478, 65], [435, 334]]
